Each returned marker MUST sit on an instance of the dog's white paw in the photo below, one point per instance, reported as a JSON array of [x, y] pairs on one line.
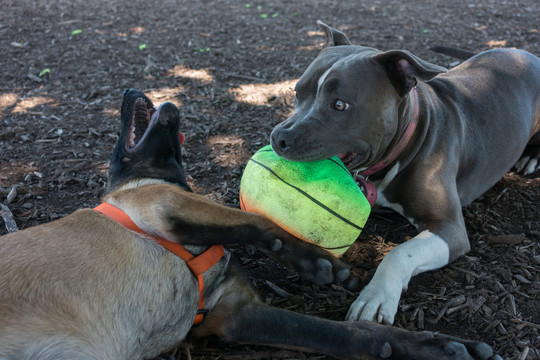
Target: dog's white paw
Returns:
[[378, 301], [527, 165], [530, 161]]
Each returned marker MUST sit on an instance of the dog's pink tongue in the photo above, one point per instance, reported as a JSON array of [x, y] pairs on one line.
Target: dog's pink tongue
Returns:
[[181, 137]]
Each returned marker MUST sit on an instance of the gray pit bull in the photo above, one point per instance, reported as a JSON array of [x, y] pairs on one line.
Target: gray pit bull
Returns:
[[430, 140]]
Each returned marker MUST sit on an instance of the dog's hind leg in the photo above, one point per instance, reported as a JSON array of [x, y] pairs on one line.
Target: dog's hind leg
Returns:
[[240, 317]]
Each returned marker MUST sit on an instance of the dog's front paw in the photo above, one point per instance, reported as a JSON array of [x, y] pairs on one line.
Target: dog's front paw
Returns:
[[312, 262], [529, 162], [378, 301]]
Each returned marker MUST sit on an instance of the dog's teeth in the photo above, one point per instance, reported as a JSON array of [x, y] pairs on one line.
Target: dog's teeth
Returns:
[[132, 137]]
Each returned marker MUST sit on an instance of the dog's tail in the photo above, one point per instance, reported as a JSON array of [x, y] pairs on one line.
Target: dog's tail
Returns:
[[453, 52]]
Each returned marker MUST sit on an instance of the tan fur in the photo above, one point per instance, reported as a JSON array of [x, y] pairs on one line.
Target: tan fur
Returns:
[[56, 277], [170, 200], [86, 285]]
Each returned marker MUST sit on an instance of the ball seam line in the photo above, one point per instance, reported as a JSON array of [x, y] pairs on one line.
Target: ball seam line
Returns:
[[317, 202]]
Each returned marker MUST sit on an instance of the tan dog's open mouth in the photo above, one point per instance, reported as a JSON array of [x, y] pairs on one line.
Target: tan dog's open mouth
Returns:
[[144, 117]]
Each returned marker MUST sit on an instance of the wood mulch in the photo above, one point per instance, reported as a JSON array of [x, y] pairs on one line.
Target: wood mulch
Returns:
[[230, 66]]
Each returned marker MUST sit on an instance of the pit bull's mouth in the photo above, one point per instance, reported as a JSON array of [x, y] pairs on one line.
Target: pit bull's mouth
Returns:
[[352, 160], [143, 119]]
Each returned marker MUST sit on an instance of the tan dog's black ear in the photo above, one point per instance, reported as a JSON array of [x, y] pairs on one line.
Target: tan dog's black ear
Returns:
[[405, 69], [333, 37]]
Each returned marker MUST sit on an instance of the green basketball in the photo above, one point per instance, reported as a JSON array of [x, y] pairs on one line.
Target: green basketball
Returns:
[[316, 201]]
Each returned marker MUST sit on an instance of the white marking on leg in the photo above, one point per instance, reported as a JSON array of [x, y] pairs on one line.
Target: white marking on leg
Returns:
[[390, 175], [381, 199], [378, 301]]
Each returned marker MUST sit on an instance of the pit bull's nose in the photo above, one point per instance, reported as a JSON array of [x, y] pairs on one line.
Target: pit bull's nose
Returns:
[[282, 140]]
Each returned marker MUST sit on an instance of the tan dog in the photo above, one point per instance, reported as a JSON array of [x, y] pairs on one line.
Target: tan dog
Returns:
[[89, 287]]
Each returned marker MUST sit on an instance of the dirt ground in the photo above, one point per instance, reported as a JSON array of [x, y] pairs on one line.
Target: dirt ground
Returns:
[[230, 66]]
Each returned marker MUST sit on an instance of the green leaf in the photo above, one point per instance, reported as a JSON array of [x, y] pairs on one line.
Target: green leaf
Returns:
[[44, 72], [142, 47], [264, 16], [76, 32]]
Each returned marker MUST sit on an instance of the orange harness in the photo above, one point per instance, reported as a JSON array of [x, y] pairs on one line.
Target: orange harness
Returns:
[[198, 265]]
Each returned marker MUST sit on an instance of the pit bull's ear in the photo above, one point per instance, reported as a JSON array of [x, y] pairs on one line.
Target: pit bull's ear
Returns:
[[404, 69], [333, 37]]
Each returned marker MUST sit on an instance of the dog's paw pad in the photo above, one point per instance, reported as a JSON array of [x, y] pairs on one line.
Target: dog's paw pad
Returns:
[[386, 351], [342, 275], [324, 274], [276, 245], [352, 283]]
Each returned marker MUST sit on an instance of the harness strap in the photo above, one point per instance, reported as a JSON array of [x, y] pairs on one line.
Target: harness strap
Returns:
[[197, 264]]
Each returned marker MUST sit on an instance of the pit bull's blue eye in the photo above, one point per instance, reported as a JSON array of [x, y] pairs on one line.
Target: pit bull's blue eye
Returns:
[[340, 105]]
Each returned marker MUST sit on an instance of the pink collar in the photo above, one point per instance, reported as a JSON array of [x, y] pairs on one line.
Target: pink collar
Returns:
[[370, 189]]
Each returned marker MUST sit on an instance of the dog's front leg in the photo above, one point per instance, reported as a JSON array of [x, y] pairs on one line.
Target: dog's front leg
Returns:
[[192, 219], [378, 301], [440, 242]]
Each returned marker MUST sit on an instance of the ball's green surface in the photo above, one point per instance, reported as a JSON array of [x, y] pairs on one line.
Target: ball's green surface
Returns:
[[316, 201]]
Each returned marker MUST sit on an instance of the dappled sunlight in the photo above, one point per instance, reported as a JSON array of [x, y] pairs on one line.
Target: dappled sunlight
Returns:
[[496, 43], [310, 47], [227, 150], [7, 100], [517, 179], [161, 95], [261, 94], [111, 112], [137, 30], [315, 33], [26, 105], [317, 46], [202, 75]]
